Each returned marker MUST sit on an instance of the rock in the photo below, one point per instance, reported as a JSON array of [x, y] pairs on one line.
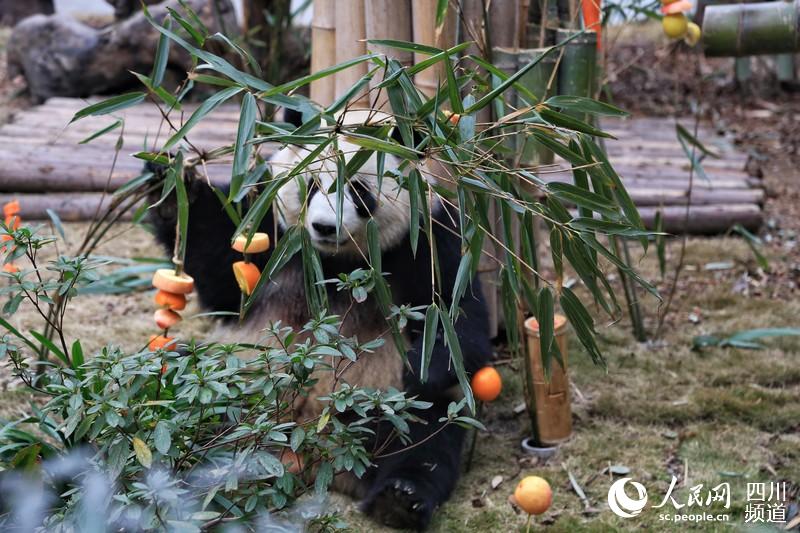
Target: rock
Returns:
[[59, 56], [12, 11]]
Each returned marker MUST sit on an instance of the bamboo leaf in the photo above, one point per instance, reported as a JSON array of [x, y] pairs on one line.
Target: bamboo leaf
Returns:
[[162, 57], [571, 123], [545, 317], [441, 12], [116, 124], [428, 340], [456, 357], [110, 105], [183, 205], [583, 104], [582, 323], [205, 108], [305, 80], [287, 247], [379, 145], [242, 148]]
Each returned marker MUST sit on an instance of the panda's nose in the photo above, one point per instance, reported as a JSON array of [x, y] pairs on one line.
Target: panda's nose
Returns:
[[324, 230]]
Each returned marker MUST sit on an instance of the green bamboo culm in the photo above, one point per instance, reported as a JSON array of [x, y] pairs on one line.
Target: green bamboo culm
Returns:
[[751, 29], [542, 83], [577, 71], [505, 59]]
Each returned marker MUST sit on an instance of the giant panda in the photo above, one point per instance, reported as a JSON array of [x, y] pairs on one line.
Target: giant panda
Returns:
[[405, 488]]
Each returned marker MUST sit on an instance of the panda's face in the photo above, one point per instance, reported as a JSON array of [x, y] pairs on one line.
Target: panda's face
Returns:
[[311, 199]]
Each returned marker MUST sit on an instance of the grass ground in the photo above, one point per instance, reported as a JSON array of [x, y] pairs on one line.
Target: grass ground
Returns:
[[660, 409]]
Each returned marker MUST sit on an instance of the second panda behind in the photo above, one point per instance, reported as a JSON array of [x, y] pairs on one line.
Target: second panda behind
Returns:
[[403, 489]]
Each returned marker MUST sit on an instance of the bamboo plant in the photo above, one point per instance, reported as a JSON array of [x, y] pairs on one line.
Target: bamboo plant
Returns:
[[477, 179]]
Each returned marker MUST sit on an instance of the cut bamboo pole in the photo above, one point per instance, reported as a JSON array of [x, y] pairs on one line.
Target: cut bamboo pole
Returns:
[[388, 19], [425, 32], [504, 24], [537, 80], [751, 29], [323, 51], [578, 68], [350, 34]]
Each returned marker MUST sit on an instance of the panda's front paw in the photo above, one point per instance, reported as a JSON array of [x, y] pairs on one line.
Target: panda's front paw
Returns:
[[399, 504]]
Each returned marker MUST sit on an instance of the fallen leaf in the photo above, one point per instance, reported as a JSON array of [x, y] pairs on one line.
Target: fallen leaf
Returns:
[[143, 453], [496, 481]]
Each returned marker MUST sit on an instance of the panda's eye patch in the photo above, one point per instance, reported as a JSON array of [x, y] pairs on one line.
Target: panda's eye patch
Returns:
[[363, 198], [313, 187]]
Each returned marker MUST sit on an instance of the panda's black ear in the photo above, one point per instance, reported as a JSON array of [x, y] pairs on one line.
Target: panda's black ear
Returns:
[[398, 138], [293, 117]]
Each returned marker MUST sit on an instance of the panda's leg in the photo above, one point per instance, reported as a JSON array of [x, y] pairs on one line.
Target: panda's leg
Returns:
[[411, 481]]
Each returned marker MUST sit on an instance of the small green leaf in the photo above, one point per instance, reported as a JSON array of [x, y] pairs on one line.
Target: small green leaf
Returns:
[[161, 438]]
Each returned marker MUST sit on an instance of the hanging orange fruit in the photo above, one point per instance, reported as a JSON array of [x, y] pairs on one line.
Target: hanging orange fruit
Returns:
[[170, 300], [247, 275], [259, 242], [167, 280]]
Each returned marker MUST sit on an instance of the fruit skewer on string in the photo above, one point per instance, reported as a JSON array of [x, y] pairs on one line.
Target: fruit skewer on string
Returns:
[[247, 273], [12, 221], [675, 23], [173, 284]]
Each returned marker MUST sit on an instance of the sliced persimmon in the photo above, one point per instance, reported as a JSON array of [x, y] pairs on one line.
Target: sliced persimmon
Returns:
[[166, 318], [258, 243], [11, 208], [170, 300], [247, 275], [160, 342], [167, 280]]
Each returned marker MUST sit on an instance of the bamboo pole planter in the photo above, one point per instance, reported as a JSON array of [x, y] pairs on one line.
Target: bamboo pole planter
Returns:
[[323, 51], [388, 19], [548, 400], [351, 33]]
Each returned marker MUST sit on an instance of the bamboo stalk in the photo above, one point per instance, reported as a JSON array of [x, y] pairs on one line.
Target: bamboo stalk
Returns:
[[751, 29], [503, 24], [578, 68], [537, 80], [388, 19], [426, 32], [323, 51], [350, 34]]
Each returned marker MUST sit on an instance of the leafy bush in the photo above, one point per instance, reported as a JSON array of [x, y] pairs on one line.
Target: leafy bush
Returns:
[[186, 439]]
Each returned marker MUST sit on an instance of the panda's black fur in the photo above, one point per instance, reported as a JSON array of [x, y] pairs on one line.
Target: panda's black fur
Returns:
[[404, 488]]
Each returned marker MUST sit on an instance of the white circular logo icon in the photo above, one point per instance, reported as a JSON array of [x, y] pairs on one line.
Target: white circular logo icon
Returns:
[[621, 503]]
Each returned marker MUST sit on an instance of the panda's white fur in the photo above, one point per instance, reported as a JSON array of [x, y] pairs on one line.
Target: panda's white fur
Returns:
[[392, 217]]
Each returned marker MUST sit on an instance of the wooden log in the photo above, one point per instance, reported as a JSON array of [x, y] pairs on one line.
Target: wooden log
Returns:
[[652, 196], [323, 51], [350, 34], [423, 16], [388, 19], [46, 177], [650, 181], [70, 207], [704, 219]]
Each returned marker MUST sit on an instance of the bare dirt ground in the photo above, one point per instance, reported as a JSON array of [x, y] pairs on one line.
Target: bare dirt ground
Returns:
[[661, 409]]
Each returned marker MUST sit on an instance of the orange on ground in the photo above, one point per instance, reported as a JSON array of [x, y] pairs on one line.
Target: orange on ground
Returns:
[[247, 275], [170, 300], [258, 243], [533, 495], [11, 268], [167, 280], [11, 208], [288, 456], [486, 384], [166, 318], [158, 342]]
